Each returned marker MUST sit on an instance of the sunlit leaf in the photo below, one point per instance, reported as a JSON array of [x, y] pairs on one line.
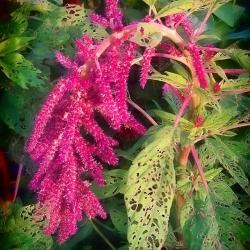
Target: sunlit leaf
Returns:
[[20, 71], [150, 192], [13, 44]]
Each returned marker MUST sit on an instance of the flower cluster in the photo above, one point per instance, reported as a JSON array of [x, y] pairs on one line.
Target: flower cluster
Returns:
[[198, 65], [180, 19], [68, 142], [113, 16]]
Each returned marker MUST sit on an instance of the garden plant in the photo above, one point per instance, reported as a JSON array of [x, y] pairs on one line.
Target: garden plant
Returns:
[[129, 124]]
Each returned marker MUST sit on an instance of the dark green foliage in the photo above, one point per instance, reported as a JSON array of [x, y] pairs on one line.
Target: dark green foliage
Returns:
[[22, 228]]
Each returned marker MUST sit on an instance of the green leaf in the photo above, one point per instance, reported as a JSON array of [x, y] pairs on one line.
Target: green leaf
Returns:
[[176, 7], [23, 229], [18, 108], [187, 6], [240, 57], [150, 192], [170, 118], [152, 134], [217, 120], [180, 70], [39, 5], [17, 25], [233, 84], [223, 192], [172, 100], [229, 13], [118, 215], [218, 29], [215, 150], [172, 78], [150, 37], [149, 2], [213, 223], [201, 229], [115, 183], [20, 71], [244, 34], [207, 98], [212, 173], [13, 44]]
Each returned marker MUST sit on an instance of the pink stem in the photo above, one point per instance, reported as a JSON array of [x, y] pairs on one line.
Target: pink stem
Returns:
[[143, 112], [203, 24], [230, 71], [20, 168], [211, 49], [176, 58], [199, 167], [182, 110]]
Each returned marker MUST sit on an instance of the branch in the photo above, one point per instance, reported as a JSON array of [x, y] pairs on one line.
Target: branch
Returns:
[[229, 71], [182, 110], [102, 236], [239, 125], [176, 58], [234, 92], [143, 112], [202, 26], [199, 166], [20, 168]]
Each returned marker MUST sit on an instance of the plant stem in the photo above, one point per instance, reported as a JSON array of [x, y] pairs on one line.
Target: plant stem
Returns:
[[20, 168], [239, 125], [182, 110], [203, 24], [104, 226], [168, 56], [143, 112], [234, 92], [102, 236], [199, 166], [230, 71], [179, 199]]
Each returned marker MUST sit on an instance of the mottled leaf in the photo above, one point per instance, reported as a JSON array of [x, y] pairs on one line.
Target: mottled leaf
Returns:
[[150, 192]]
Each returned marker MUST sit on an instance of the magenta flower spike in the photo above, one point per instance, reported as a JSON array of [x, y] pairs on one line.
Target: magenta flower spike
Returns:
[[60, 143], [182, 20], [198, 65]]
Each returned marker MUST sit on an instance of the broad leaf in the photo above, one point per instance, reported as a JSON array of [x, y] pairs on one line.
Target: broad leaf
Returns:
[[115, 183], [21, 71], [118, 215], [150, 2], [171, 78], [18, 108], [240, 57], [229, 13], [23, 229], [13, 44], [216, 151], [170, 118], [188, 6], [148, 35], [217, 120], [150, 192]]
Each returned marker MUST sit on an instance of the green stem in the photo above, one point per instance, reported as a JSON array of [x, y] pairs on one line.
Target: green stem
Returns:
[[104, 226], [102, 236], [143, 112], [19, 174]]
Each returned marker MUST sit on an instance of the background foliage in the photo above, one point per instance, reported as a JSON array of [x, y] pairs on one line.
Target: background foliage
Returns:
[[29, 35]]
